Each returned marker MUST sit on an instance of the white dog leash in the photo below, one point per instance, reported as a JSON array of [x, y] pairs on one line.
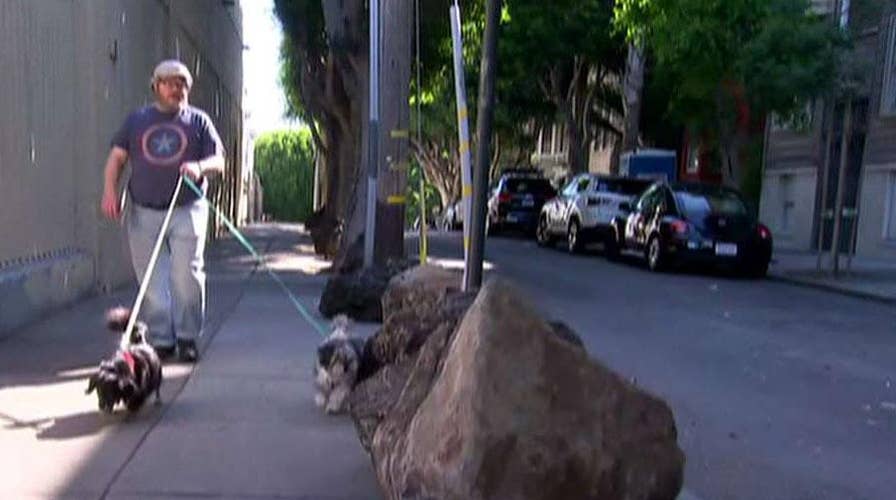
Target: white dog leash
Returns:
[[144, 283]]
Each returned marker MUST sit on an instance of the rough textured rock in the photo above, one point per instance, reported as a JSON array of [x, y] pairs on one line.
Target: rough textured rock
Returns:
[[507, 408], [422, 303], [421, 288], [415, 303], [358, 292]]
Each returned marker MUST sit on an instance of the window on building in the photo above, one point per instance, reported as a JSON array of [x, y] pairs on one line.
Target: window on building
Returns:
[[545, 147], [693, 159], [800, 122], [888, 86], [561, 140], [787, 203], [890, 216]]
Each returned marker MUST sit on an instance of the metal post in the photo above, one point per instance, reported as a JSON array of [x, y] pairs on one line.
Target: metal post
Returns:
[[822, 218], [373, 132], [463, 132], [841, 184], [424, 250], [485, 113]]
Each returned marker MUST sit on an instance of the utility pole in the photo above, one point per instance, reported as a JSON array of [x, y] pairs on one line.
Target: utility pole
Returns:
[[463, 132], [485, 113], [395, 115], [373, 127]]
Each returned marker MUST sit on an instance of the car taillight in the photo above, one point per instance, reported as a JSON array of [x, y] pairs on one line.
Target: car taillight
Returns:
[[764, 233], [504, 198], [679, 227]]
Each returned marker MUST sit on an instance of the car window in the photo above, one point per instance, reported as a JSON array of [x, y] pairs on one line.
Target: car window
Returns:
[[570, 189], [528, 186], [630, 187], [698, 205], [646, 201], [582, 184]]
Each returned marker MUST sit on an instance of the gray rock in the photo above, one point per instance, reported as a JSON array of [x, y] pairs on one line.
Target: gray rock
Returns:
[[503, 407]]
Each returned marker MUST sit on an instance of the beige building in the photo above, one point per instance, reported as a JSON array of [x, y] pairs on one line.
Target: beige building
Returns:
[[72, 72], [799, 193]]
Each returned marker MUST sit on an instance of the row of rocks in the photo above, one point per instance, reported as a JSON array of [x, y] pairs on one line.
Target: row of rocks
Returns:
[[479, 397]]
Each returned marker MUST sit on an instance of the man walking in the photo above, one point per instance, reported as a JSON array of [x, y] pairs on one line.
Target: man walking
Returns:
[[163, 141]]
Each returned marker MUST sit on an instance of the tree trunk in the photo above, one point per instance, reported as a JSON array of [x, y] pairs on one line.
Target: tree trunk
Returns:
[[577, 155], [343, 130], [632, 90], [442, 170], [394, 130], [346, 91]]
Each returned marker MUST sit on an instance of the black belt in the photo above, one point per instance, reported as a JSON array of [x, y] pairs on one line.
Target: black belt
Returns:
[[156, 207]]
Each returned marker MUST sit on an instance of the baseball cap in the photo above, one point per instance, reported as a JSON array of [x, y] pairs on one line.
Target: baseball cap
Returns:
[[172, 67]]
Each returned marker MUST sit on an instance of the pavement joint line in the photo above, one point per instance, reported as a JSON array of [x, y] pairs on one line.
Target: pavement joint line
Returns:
[[859, 294], [248, 496], [166, 408]]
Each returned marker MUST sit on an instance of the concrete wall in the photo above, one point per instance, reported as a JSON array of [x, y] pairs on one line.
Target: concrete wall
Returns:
[[787, 205], [878, 191], [73, 72]]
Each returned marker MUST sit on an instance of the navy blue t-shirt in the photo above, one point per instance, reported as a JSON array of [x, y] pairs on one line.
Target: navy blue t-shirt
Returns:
[[157, 144]]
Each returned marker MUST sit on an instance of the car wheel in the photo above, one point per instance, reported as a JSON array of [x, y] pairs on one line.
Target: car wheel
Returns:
[[656, 259], [611, 246], [573, 238], [758, 270], [542, 236]]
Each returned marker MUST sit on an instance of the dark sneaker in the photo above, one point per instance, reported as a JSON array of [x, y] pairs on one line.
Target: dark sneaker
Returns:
[[164, 351], [187, 351]]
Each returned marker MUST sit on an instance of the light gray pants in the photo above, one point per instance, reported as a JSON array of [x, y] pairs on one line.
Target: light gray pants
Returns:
[[174, 305]]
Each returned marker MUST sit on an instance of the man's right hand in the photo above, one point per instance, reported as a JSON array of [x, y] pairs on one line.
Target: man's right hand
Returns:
[[110, 205]]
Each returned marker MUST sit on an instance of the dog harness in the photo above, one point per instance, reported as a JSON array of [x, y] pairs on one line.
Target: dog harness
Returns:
[[129, 359]]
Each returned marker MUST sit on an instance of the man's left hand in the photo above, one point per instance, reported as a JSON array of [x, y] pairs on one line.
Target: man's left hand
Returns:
[[191, 170]]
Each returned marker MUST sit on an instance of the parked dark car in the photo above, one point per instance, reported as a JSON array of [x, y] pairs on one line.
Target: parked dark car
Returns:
[[516, 201], [694, 223]]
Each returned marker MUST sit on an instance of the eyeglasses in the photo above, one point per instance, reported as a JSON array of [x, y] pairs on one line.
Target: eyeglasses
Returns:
[[173, 82]]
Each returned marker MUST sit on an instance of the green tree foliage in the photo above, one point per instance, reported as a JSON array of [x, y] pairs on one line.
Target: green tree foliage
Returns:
[[564, 56], [732, 62], [284, 161], [433, 202]]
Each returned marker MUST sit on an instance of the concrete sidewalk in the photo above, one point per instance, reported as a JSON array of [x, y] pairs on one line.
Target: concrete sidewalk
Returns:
[[873, 279], [240, 424]]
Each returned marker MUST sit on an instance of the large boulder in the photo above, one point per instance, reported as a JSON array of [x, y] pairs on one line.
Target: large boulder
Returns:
[[507, 407], [415, 303], [420, 303]]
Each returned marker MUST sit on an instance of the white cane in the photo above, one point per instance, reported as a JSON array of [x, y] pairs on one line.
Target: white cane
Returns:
[[144, 283]]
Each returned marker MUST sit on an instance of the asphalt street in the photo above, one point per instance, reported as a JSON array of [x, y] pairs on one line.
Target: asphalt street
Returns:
[[779, 391]]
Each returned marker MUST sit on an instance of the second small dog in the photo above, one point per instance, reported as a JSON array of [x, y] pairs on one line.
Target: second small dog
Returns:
[[339, 361], [131, 374]]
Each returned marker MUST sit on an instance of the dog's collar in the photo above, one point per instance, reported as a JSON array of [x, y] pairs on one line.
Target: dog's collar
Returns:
[[129, 359]]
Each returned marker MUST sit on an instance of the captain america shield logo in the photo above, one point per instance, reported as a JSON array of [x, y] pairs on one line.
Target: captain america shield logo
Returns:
[[164, 144]]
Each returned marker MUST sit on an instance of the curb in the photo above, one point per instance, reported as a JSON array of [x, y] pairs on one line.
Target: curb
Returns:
[[832, 288]]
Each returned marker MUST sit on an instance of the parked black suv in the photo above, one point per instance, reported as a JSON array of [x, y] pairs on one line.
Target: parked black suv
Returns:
[[516, 200]]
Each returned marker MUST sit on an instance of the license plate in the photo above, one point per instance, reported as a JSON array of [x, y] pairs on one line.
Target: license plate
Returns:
[[726, 249], [528, 202], [511, 218]]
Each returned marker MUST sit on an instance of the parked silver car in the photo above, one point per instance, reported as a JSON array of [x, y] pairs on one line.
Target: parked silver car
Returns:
[[584, 209]]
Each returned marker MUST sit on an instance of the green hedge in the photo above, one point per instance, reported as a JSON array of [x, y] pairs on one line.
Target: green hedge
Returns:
[[284, 162]]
